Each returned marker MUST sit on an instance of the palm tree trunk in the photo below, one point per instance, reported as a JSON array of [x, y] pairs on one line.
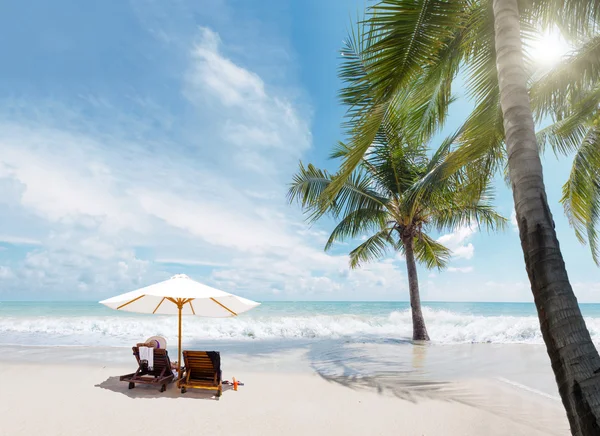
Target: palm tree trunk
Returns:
[[419, 329], [574, 358]]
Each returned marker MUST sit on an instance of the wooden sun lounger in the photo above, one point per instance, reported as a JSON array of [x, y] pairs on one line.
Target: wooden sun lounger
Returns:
[[202, 371], [161, 373]]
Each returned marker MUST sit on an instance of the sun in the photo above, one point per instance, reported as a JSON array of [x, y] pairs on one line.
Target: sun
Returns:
[[547, 49]]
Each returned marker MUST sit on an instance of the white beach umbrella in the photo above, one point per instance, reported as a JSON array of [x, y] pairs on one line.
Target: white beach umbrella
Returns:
[[182, 296]]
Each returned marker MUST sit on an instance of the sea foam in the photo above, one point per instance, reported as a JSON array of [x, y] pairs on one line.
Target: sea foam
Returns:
[[444, 327]]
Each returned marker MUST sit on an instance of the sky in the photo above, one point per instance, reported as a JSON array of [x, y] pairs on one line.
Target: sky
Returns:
[[148, 138]]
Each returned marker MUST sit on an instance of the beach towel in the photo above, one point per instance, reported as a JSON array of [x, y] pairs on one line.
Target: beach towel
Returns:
[[147, 354], [215, 358]]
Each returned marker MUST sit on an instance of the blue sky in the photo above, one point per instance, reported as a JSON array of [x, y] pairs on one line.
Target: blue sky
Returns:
[[143, 139]]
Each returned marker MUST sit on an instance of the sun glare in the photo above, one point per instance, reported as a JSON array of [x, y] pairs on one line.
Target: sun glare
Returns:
[[548, 49]]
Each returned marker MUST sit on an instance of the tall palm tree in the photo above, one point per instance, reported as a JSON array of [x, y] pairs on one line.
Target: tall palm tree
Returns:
[[429, 42], [379, 198]]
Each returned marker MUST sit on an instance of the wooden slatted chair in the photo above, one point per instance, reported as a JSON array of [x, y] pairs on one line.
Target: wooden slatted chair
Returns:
[[161, 373], [202, 371]]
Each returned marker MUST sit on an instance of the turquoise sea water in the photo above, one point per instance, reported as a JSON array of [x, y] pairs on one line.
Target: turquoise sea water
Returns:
[[89, 323]]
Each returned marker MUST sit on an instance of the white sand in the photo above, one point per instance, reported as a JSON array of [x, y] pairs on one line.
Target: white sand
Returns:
[[72, 398]]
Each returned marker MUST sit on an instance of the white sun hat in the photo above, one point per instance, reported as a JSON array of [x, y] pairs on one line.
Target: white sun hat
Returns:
[[157, 342]]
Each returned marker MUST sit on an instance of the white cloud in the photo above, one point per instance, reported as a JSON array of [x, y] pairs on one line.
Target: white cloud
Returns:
[[587, 292], [61, 187], [465, 269], [256, 123], [5, 273], [120, 192], [513, 221], [456, 241], [190, 262], [217, 223], [18, 240]]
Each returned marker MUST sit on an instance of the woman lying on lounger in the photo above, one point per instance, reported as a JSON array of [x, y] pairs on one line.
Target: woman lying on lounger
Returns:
[[157, 342]]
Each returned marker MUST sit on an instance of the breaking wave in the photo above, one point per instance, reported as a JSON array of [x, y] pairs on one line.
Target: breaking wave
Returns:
[[444, 327]]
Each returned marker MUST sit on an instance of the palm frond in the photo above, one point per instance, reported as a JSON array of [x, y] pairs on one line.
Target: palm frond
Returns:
[[568, 82], [373, 248], [405, 37], [581, 192], [362, 137], [564, 136], [353, 71], [310, 183], [397, 41], [357, 223], [307, 188], [575, 18], [431, 253], [457, 215]]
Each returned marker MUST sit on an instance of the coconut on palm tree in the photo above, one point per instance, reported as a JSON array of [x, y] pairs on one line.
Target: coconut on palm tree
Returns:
[[431, 42], [379, 201]]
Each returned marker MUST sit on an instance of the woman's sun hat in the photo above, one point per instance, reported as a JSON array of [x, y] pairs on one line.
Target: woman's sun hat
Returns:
[[157, 342]]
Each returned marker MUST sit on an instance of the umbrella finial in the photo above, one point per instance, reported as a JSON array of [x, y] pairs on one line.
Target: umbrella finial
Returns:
[[180, 276]]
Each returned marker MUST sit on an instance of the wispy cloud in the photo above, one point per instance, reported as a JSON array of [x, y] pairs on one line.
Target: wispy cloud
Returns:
[[190, 262], [465, 269], [457, 242], [261, 130], [123, 204], [18, 240], [513, 221]]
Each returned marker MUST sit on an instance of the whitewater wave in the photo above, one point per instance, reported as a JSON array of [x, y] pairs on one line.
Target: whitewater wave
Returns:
[[444, 327]]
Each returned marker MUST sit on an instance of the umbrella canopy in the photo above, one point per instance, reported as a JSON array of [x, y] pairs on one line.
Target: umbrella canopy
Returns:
[[181, 295], [164, 298]]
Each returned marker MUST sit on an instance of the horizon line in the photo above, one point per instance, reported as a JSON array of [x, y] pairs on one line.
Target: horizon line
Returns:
[[307, 301]]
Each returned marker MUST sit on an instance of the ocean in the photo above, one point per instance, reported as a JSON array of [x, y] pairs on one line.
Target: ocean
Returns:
[[92, 324]]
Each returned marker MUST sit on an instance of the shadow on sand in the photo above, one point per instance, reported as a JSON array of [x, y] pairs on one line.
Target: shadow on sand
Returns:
[[403, 387], [409, 379], [147, 391]]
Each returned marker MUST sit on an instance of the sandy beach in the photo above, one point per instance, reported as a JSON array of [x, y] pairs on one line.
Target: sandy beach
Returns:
[[76, 391]]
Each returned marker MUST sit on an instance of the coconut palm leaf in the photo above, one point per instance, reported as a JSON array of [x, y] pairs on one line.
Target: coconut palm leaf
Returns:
[[357, 223], [457, 215], [373, 248], [309, 184], [405, 37], [568, 82], [431, 253], [575, 18], [581, 192], [395, 49]]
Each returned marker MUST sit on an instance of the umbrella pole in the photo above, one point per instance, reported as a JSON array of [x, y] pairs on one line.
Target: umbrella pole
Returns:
[[179, 349]]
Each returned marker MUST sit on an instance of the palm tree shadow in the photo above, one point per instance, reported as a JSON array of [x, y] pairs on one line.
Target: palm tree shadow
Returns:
[[409, 380], [402, 386], [152, 392]]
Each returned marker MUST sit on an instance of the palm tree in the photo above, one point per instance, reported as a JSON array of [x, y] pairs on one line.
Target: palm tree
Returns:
[[379, 199], [429, 42]]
